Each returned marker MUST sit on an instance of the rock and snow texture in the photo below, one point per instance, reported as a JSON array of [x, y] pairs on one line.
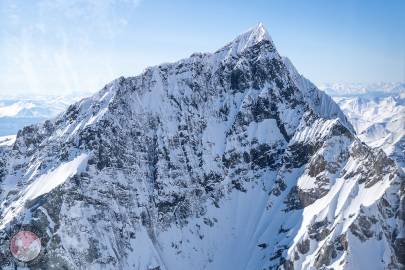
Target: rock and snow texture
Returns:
[[224, 160], [377, 114]]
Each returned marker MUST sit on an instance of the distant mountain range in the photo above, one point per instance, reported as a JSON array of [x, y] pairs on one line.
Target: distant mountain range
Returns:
[[367, 89], [17, 112], [377, 112]]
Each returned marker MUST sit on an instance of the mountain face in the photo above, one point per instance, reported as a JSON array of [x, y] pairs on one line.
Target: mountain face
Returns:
[[378, 120], [224, 160]]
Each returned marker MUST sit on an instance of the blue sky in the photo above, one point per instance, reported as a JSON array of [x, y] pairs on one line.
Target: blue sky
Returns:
[[55, 46]]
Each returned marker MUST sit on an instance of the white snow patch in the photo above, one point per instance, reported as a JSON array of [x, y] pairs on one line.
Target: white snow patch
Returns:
[[94, 118], [7, 140], [44, 184], [265, 131]]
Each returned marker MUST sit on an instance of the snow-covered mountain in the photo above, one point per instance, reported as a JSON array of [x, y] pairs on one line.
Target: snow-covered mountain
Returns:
[[378, 116], [224, 160], [17, 112]]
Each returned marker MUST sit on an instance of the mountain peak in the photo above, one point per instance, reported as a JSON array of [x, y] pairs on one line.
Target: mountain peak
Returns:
[[260, 28], [253, 36], [249, 38], [258, 33]]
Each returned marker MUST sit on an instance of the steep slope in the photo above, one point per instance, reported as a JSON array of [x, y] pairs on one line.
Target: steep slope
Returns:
[[219, 161], [319, 101]]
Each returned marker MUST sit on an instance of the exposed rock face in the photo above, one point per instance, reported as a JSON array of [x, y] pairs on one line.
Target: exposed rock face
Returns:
[[229, 160]]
